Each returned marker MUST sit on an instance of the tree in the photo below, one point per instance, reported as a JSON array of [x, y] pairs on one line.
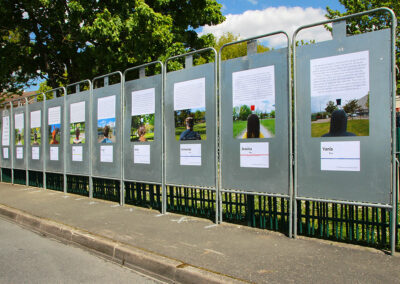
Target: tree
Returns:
[[86, 38], [368, 23], [244, 112], [352, 107], [330, 107]]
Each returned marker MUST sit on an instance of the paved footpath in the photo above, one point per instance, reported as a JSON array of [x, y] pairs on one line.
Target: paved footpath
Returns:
[[188, 249]]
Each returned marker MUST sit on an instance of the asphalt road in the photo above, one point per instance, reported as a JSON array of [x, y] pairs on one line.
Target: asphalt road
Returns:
[[26, 257]]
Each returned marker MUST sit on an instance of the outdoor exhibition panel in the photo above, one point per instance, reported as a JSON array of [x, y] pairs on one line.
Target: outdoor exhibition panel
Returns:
[[190, 125], [54, 133], [344, 117], [255, 109], [107, 119], [143, 127], [6, 138], [20, 138], [77, 147], [35, 139]]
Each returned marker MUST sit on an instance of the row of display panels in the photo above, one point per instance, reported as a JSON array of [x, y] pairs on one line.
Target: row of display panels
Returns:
[[343, 105]]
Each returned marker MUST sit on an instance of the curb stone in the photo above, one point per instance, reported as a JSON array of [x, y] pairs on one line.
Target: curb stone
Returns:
[[124, 254]]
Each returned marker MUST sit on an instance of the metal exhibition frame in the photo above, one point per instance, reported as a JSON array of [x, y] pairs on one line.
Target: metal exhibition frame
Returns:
[[252, 51], [45, 136], [120, 154], [189, 66], [142, 75], [342, 33], [79, 96], [18, 164], [37, 106]]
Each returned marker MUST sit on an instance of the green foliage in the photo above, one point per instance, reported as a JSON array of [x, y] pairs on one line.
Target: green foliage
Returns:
[[367, 23], [244, 112], [352, 107], [330, 107], [84, 39]]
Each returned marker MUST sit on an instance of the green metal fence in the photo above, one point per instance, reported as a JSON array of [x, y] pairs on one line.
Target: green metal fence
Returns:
[[54, 181], [143, 195], [106, 189], [78, 185], [6, 175], [191, 201], [20, 177], [35, 179]]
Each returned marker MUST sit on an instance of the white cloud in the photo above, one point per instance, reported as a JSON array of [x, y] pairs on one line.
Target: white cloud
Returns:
[[257, 22]]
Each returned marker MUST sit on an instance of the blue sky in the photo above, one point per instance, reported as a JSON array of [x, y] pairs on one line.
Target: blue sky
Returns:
[[246, 18]]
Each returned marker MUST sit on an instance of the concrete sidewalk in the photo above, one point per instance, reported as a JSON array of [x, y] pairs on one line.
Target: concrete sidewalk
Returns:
[[188, 249]]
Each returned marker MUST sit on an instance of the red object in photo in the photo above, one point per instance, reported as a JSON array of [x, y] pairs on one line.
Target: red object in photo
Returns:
[[252, 107]]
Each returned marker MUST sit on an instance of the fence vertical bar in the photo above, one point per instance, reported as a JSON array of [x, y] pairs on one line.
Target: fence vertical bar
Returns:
[[12, 142]]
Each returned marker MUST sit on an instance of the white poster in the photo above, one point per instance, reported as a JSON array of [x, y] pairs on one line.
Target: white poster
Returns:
[[77, 153], [106, 154], [340, 156], [254, 155], [19, 153], [141, 154], [36, 119], [77, 112], [35, 153], [5, 139], [190, 94], [106, 107], [19, 121], [54, 115], [190, 154], [53, 153], [254, 85], [5, 153], [143, 102]]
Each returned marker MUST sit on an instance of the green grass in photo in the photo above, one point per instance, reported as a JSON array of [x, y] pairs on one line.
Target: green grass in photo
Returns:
[[359, 127], [238, 127], [269, 124]]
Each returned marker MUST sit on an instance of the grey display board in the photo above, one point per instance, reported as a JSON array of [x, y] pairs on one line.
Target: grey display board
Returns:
[[203, 173], [106, 157], [247, 83], [19, 133], [54, 135], [35, 143], [359, 169], [6, 143], [78, 139], [143, 156]]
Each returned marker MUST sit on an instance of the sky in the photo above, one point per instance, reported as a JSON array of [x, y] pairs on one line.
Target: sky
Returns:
[[247, 18]]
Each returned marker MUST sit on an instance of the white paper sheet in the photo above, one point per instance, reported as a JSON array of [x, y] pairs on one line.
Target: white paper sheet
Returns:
[[19, 121], [77, 153], [141, 154], [340, 156], [5, 139], [35, 153], [344, 77], [253, 85], [19, 153], [5, 153], [254, 155], [190, 154], [106, 154], [143, 102], [190, 94], [106, 107], [77, 112], [54, 115], [53, 153], [36, 119]]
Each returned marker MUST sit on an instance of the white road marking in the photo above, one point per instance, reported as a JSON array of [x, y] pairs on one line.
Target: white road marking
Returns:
[[210, 226]]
